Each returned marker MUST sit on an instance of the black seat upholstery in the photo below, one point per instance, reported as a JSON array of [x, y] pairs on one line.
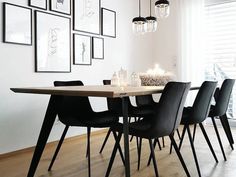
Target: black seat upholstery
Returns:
[[197, 114], [77, 111], [163, 122]]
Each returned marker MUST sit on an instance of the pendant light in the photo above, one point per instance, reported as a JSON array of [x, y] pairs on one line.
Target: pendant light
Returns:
[[162, 8], [151, 21], [139, 23]]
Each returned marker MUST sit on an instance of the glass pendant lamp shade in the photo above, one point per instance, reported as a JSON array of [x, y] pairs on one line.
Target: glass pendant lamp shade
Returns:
[[139, 23], [162, 8], [151, 21], [151, 24]]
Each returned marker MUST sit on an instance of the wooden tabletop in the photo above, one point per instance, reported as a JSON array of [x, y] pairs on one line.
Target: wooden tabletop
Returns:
[[95, 91]]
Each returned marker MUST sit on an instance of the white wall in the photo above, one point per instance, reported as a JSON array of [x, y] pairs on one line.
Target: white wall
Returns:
[[21, 115]]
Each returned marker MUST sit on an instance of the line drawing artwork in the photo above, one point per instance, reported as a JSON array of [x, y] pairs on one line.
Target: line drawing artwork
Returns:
[[59, 2], [83, 45], [53, 41], [87, 9]]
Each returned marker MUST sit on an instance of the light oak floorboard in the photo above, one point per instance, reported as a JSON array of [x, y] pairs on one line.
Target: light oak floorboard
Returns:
[[71, 161]]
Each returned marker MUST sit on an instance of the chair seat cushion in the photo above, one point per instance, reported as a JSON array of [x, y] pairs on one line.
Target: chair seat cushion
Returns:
[[139, 128], [95, 120]]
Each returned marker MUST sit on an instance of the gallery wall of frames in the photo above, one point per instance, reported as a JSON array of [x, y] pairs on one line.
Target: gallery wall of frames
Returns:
[[75, 30]]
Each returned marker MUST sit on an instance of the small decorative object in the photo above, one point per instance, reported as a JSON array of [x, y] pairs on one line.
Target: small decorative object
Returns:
[[53, 36], [151, 21], [156, 77], [108, 23], [123, 77], [62, 6], [41, 4], [135, 80], [139, 23], [98, 48], [87, 16], [17, 29], [162, 8], [82, 50], [115, 80]]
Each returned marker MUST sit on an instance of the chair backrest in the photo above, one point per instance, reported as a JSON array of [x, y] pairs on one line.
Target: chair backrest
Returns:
[[145, 100], [223, 97], [169, 110], [202, 102], [73, 105]]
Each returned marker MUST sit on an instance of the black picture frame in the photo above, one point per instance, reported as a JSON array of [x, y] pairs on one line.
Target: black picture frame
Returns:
[[5, 25], [43, 8], [58, 11], [94, 48], [36, 43], [85, 30], [76, 50], [104, 23]]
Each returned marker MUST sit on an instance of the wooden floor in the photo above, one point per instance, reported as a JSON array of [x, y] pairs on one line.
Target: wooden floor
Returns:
[[71, 160]]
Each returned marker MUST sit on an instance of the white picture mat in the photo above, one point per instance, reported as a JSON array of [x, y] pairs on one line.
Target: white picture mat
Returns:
[[109, 23], [18, 25], [53, 43], [39, 3], [61, 7], [98, 48], [87, 16], [82, 50]]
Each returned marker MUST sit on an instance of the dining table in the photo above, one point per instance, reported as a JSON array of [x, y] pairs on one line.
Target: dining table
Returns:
[[108, 91]]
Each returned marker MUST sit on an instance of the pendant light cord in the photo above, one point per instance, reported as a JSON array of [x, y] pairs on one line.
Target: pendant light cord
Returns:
[[150, 8], [139, 8]]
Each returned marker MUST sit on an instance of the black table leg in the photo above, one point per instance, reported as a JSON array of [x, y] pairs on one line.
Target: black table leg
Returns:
[[46, 128], [126, 134]]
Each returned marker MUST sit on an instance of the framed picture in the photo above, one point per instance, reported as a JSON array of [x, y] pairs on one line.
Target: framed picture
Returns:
[[62, 6], [41, 4], [108, 23], [82, 50], [17, 29], [53, 40], [98, 48], [87, 16]]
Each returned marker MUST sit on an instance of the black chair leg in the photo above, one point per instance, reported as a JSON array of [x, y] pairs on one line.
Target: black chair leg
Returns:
[[163, 141], [105, 140], [113, 155], [194, 131], [156, 141], [88, 134], [58, 147], [218, 137], [225, 124], [193, 149], [208, 142], [88, 150], [153, 157], [182, 137], [178, 133], [135, 119], [179, 155], [119, 148], [139, 152]]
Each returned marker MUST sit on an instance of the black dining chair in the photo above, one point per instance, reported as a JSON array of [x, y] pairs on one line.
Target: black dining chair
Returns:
[[115, 105], [196, 115], [77, 111], [222, 98], [163, 122]]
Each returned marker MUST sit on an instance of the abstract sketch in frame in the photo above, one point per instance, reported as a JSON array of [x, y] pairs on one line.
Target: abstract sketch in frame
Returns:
[[108, 23], [17, 29], [82, 50], [98, 48], [61, 6], [87, 15], [41, 4], [53, 40]]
